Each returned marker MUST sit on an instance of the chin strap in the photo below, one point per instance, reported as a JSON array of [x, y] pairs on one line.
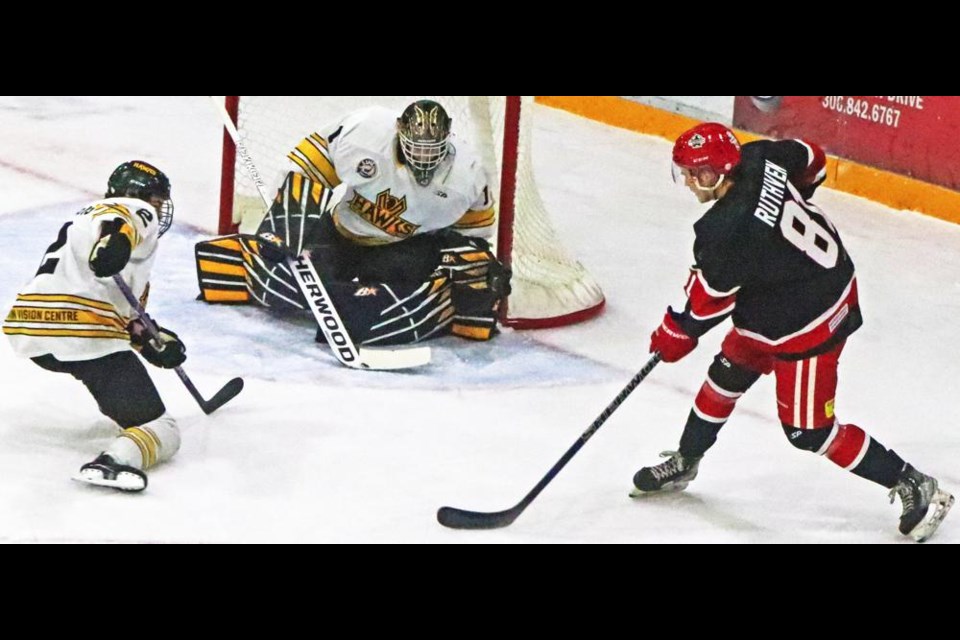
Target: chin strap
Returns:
[[711, 189]]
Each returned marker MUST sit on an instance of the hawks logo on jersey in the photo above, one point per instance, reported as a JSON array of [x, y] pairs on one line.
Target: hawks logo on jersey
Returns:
[[385, 213]]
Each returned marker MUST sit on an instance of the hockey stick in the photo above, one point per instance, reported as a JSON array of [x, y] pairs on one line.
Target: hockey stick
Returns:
[[315, 292], [463, 519], [221, 397]]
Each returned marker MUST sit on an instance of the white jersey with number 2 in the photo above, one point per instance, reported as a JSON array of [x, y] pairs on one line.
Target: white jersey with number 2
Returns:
[[67, 311]]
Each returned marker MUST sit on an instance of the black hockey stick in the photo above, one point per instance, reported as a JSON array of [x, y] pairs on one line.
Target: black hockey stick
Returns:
[[221, 397], [463, 519]]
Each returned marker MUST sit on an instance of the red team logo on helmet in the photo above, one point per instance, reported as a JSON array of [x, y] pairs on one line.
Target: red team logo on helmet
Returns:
[[709, 145]]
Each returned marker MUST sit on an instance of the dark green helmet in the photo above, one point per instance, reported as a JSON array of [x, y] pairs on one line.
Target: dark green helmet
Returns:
[[142, 180], [424, 128]]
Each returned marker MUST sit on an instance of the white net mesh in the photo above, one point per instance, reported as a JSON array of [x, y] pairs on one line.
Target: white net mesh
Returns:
[[549, 287]]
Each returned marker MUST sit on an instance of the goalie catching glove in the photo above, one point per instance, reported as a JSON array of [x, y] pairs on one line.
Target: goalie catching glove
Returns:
[[167, 352], [480, 282]]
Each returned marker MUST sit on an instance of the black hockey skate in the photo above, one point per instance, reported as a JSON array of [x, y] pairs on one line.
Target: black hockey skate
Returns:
[[105, 472], [924, 504], [673, 475]]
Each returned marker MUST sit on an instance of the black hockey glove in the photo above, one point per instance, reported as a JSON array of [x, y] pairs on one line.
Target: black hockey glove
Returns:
[[272, 248], [112, 251], [167, 353]]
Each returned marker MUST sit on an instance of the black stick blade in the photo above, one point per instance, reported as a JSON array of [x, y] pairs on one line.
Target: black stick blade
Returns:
[[222, 397], [461, 519]]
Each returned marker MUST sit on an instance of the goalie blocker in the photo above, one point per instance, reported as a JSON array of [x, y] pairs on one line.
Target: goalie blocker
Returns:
[[400, 293]]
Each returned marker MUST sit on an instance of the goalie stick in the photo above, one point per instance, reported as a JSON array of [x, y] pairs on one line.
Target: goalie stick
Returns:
[[221, 397], [316, 295], [463, 519]]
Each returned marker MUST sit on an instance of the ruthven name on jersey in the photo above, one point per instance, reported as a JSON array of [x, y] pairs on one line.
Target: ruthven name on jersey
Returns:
[[771, 194]]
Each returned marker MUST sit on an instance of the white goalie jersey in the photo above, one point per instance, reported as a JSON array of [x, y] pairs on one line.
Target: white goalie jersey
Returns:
[[383, 202], [66, 310]]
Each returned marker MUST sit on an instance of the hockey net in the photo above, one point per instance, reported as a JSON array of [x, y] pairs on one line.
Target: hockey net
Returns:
[[550, 288]]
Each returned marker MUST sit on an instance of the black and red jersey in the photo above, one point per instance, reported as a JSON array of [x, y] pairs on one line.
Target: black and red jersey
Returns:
[[772, 260]]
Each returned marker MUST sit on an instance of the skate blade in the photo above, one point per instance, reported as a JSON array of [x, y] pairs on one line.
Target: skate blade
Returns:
[[667, 488], [939, 507], [124, 481]]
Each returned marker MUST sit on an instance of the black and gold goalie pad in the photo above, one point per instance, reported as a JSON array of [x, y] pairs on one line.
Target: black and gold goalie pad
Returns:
[[295, 213], [459, 295], [230, 269]]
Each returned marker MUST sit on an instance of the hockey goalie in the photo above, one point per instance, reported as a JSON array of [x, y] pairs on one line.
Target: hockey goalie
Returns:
[[403, 252]]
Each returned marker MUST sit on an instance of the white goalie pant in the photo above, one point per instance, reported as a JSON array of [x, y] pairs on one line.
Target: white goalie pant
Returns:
[[144, 446]]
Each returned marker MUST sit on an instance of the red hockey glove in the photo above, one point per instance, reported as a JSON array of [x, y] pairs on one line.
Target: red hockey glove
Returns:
[[670, 340]]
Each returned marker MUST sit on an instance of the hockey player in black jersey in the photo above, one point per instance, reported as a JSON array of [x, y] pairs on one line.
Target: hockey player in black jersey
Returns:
[[769, 259]]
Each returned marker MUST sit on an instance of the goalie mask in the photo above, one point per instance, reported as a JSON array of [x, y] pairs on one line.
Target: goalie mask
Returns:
[[424, 128], [141, 180]]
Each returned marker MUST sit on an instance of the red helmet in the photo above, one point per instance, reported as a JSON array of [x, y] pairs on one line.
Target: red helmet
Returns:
[[707, 145]]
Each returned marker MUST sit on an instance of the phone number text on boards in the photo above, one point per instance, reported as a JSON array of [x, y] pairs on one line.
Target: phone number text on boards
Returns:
[[863, 109]]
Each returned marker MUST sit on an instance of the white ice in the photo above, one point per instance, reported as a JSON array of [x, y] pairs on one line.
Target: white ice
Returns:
[[312, 452]]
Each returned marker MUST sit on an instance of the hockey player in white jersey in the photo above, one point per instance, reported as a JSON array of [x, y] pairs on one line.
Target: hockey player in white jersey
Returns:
[[72, 318], [403, 252], [429, 184]]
